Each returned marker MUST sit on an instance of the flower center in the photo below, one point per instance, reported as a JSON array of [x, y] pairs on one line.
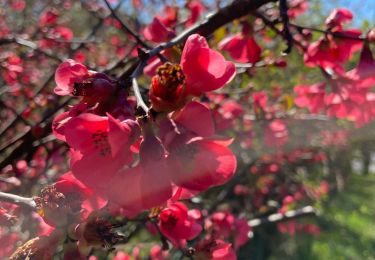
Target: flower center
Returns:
[[170, 75], [168, 219], [100, 141], [81, 88]]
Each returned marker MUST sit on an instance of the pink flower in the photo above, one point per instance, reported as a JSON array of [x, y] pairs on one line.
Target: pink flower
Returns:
[[68, 73], [157, 31], [198, 160], [311, 97], [100, 147], [338, 17], [364, 73], [178, 224], [226, 114], [276, 134], [169, 17], [122, 256], [297, 7], [223, 225], [260, 99], [242, 48], [156, 253], [329, 53], [204, 69], [194, 110], [196, 9], [200, 164], [167, 91], [48, 18], [215, 250], [18, 5], [75, 79], [147, 185]]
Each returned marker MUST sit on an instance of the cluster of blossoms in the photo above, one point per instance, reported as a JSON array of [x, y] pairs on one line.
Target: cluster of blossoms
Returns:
[[124, 164], [129, 169], [345, 94]]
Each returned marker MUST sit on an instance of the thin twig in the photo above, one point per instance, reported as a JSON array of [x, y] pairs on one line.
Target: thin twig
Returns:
[[138, 96], [126, 28]]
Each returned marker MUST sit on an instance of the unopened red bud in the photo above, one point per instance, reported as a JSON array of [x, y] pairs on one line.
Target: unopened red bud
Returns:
[[281, 63]]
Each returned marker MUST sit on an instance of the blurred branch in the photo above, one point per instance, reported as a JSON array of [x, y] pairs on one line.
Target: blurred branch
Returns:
[[15, 199], [125, 27], [279, 217], [31, 45], [334, 34]]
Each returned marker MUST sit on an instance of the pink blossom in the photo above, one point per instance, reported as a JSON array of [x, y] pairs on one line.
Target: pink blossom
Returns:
[[100, 147], [142, 191], [196, 9], [157, 31], [204, 69], [215, 250], [296, 8], [329, 53], [178, 224], [48, 17], [157, 253], [68, 73], [276, 133], [223, 225], [338, 17], [311, 97], [242, 48]]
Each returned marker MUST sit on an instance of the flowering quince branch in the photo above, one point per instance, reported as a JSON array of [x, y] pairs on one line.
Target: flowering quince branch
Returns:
[[138, 96], [19, 200], [233, 11], [128, 171], [283, 7], [334, 34], [125, 27], [279, 217], [31, 45], [27, 138]]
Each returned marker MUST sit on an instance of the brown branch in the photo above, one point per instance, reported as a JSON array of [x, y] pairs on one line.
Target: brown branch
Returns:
[[125, 27], [334, 34], [283, 7], [234, 11]]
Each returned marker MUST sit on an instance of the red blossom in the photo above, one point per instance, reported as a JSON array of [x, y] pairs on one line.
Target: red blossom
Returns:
[[142, 191], [204, 69], [338, 17], [216, 250], [100, 147], [157, 31], [178, 224], [241, 47]]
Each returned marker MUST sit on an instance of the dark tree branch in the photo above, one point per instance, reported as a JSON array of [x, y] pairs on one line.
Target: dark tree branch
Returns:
[[234, 11], [125, 27], [283, 7]]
